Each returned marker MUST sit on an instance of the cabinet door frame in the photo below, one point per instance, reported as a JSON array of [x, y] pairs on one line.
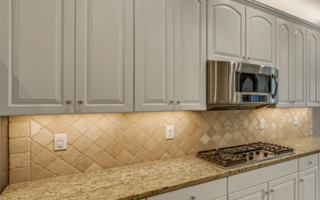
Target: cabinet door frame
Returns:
[[182, 102], [302, 174], [122, 99], [294, 177], [166, 101], [310, 103], [11, 103], [284, 103], [213, 54], [251, 12], [263, 188], [303, 102]]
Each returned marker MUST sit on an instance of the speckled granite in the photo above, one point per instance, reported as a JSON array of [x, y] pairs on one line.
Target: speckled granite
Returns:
[[144, 179]]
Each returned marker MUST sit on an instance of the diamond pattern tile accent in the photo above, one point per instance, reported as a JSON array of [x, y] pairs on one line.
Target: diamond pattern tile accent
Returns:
[[97, 141]]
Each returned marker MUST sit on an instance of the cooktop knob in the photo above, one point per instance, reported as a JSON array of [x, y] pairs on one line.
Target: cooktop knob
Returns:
[[257, 152], [251, 157], [265, 154]]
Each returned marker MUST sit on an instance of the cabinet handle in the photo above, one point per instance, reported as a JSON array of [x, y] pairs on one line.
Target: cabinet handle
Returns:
[[171, 102], [301, 180], [80, 102], [248, 58], [178, 102], [68, 101], [310, 162], [271, 190], [193, 197]]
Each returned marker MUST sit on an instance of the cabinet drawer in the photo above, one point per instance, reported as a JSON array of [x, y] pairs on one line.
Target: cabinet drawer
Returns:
[[308, 162], [204, 191]]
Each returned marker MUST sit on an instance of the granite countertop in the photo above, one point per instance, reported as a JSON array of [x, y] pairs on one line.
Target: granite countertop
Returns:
[[145, 179]]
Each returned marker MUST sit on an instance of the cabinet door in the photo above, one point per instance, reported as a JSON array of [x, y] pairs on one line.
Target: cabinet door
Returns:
[[283, 64], [258, 192], [284, 188], [190, 55], [154, 51], [298, 66], [312, 67], [37, 56], [260, 37], [104, 56], [308, 184], [226, 30]]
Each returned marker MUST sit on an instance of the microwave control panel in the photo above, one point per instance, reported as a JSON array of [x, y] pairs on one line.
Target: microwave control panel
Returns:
[[254, 98]]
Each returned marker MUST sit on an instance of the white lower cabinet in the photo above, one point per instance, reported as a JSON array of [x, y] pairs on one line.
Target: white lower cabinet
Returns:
[[285, 188], [308, 184], [259, 192], [214, 190]]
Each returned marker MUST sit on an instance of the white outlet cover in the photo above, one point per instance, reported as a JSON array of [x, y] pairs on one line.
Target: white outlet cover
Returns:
[[296, 121], [170, 132], [261, 124], [60, 142]]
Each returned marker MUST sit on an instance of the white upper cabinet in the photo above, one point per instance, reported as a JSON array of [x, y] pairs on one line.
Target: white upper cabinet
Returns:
[[283, 62], [290, 60], [313, 67], [37, 56], [104, 56], [260, 37], [235, 32], [190, 55], [226, 30], [299, 89], [154, 34], [170, 54]]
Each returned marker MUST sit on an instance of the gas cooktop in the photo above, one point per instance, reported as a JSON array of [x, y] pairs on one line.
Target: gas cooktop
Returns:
[[236, 156]]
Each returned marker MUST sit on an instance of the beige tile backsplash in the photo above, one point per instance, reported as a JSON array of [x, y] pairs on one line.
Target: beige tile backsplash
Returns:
[[97, 141]]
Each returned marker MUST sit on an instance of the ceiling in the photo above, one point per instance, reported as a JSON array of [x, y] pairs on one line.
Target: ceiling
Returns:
[[308, 10]]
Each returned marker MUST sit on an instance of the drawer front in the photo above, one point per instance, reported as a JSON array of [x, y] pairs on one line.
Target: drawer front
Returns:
[[308, 162], [205, 191]]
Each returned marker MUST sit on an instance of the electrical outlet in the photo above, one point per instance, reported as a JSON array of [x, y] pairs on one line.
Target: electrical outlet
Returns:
[[296, 121], [60, 142], [170, 132], [261, 124]]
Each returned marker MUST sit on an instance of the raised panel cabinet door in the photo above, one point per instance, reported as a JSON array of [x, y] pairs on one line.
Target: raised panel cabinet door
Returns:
[[226, 30], [285, 188], [190, 55], [260, 37], [104, 56], [37, 56], [312, 68], [308, 184], [298, 60], [283, 63], [259, 192], [154, 55]]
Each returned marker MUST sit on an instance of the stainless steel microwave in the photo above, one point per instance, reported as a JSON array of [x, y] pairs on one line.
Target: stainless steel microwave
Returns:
[[235, 85]]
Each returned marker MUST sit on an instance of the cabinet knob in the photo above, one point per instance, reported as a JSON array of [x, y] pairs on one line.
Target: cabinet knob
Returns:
[[271, 190], [178, 102], [193, 197], [301, 180], [171, 102], [310, 162], [248, 58], [80, 102], [68, 101]]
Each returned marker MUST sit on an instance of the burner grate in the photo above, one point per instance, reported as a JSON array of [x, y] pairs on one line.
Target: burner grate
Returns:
[[238, 155]]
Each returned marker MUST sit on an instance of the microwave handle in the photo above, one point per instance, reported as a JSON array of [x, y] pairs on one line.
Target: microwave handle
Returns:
[[276, 90]]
